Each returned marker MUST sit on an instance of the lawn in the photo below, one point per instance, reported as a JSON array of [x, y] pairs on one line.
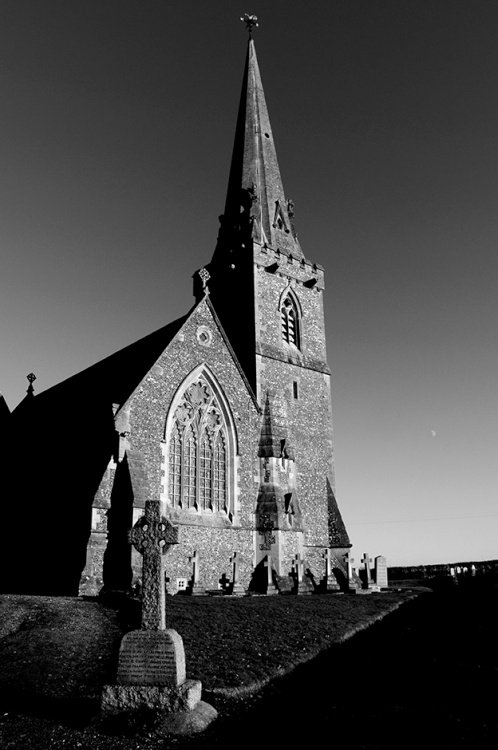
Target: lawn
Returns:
[[56, 653], [54, 649]]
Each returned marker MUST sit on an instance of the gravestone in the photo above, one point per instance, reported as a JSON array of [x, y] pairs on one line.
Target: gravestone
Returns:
[[224, 584], [329, 581], [236, 588], [151, 670], [271, 589], [381, 572], [368, 584], [352, 581], [195, 588], [300, 585]]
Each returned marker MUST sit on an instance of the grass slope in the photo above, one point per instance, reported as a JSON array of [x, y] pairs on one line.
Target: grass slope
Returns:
[[56, 653]]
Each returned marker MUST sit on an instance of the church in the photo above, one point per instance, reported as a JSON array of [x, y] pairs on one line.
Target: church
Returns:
[[224, 416]]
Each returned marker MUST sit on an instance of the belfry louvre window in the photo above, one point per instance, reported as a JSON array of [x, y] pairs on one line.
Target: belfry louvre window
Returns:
[[197, 460], [290, 322]]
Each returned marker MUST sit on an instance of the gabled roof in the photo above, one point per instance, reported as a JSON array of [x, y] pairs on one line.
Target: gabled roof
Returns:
[[255, 189], [114, 378]]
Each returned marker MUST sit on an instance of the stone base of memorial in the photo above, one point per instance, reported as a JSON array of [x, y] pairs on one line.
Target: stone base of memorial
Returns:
[[151, 675], [331, 586], [303, 589], [196, 590], [271, 590], [236, 589], [370, 589]]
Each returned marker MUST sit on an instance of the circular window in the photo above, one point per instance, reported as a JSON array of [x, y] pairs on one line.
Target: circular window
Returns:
[[204, 336]]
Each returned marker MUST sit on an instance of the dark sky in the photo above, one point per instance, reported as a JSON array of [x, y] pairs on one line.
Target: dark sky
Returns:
[[115, 141]]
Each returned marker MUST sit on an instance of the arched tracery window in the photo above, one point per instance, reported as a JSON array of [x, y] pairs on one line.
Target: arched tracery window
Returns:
[[219, 474], [198, 466], [290, 322]]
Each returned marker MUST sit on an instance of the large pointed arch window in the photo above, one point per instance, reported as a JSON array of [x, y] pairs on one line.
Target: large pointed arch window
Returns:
[[198, 452], [291, 332]]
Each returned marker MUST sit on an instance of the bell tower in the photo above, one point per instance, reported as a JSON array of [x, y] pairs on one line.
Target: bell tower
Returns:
[[269, 298]]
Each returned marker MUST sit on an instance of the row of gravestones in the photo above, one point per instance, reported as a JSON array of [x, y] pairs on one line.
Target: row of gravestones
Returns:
[[302, 581], [151, 670], [463, 570]]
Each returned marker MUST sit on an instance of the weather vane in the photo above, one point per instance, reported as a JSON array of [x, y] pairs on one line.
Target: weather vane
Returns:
[[251, 21]]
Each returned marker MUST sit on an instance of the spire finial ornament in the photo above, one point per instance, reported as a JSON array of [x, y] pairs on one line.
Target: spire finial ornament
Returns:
[[251, 21], [31, 377], [204, 276]]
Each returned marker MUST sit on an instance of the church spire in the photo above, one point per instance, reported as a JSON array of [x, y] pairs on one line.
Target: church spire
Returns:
[[256, 206]]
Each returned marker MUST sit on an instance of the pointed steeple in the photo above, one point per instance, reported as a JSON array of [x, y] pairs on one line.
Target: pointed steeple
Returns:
[[256, 205]]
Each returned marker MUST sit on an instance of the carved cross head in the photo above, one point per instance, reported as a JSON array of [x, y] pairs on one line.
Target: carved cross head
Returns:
[[152, 532]]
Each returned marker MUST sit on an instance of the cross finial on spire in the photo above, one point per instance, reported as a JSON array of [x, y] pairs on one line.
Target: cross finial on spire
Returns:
[[204, 276], [251, 21], [31, 377]]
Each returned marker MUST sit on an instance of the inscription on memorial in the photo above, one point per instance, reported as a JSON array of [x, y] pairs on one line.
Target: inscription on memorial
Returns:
[[151, 658]]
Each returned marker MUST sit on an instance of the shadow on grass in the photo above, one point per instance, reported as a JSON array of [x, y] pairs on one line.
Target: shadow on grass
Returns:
[[425, 676]]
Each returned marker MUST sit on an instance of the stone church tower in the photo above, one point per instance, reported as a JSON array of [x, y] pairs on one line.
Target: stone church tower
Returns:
[[224, 416], [269, 299]]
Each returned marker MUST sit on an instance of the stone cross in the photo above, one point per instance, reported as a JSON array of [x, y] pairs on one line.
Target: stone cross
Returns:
[[328, 563], [152, 536], [31, 378], [204, 276], [235, 568], [348, 560], [194, 559], [298, 567], [367, 561], [267, 565]]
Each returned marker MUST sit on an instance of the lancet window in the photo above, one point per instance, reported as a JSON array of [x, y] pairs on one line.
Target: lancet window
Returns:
[[198, 466], [290, 322]]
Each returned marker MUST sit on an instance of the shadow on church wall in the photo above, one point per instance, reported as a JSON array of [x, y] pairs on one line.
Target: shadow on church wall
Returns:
[[53, 458]]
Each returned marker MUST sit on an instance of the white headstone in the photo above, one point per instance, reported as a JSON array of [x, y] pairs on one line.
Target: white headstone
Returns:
[[381, 571]]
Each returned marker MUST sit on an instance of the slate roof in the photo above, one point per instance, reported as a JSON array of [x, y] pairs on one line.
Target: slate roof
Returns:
[[114, 378]]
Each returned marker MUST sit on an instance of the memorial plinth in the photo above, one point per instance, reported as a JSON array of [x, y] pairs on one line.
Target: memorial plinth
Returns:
[[151, 674], [151, 665]]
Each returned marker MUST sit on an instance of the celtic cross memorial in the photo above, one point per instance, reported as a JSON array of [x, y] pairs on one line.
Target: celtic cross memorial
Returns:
[[152, 536]]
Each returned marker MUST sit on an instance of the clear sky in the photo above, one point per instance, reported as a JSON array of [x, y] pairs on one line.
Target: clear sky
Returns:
[[115, 142]]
